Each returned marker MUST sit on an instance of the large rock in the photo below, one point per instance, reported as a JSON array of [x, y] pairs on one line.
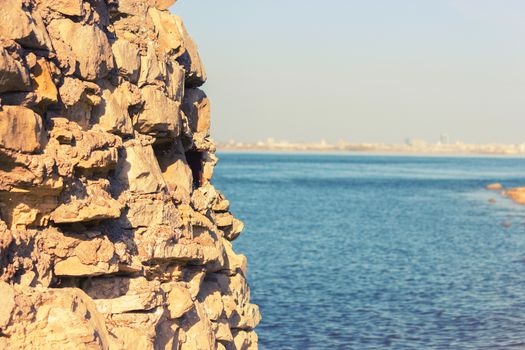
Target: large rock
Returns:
[[149, 211], [190, 59], [54, 319], [66, 7], [516, 194], [87, 201], [138, 169], [175, 170], [174, 80], [179, 301], [245, 340], [168, 32], [21, 129], [45, 89], [196, 107], [123, 294], [127, 59], [7, 295], [83, 49], [150, 68], [14, 75], [112, 113], [25, 28], [198, 330], [160, 115]]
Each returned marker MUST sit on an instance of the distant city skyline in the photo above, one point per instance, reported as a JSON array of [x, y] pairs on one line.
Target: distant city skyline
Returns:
[[362, 71]]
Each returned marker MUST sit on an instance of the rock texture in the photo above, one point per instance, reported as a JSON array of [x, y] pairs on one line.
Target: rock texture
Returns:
[[112, 235]]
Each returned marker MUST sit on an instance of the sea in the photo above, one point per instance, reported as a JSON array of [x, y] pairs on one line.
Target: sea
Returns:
[[357, 251]]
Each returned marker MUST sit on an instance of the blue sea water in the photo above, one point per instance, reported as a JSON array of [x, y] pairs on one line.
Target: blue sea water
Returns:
[[380, 252]]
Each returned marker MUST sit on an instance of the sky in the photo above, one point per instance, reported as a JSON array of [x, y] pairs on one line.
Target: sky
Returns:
[[362, 70]]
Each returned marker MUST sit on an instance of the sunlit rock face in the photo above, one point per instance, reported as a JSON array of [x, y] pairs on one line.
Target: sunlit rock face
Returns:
[[112, 235]]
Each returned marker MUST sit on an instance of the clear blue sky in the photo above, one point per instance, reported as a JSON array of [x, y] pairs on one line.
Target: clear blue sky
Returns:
[[362, 70]]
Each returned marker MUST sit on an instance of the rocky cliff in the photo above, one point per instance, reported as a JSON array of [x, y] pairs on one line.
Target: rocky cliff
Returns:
[[111, 234]]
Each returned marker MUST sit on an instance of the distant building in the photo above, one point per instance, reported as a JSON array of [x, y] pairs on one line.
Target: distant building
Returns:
[[444, 139]]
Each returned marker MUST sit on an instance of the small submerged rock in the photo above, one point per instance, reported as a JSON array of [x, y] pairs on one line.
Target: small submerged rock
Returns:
[[506, 224]]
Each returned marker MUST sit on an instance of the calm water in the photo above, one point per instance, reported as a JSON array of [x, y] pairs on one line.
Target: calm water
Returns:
[[372, 252]]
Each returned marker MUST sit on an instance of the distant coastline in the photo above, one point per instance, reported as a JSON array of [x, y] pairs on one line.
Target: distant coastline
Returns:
[[416, 147]]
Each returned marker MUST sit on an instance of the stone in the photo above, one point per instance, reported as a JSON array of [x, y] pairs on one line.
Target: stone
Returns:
[[79, 97], [494, 187], [179, 301], [45, 88], [21, 129], [517, 195], [164, 4], [148, 211], [211, 299], [174, 81], [245, 340], [232, 232], [167, 29], [118, 295], [190, 59], [196, 107], [7, 295], [138, 169], [150, 71], [238, 310], [84, 49], [48, 319], [223, 332], [234, 263], [14, 75], [221, 205], [72, 266], [134, 7], [160, 116], [25, 28], [198, 330], [112, 114], [175, 170], [223, 219], [127, 59], [87, 201], [66, 7]]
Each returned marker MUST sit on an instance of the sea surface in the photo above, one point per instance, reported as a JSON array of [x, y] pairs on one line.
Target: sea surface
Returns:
[[380, 252]]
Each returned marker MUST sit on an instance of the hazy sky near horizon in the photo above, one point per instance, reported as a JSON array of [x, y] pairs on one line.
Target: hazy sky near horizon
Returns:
[[362, 70]]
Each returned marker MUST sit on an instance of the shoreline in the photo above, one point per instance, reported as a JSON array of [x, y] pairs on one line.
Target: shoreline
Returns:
[[371, 153]]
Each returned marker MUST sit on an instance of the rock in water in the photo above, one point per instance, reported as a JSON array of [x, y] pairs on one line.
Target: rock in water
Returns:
[[111, 233]]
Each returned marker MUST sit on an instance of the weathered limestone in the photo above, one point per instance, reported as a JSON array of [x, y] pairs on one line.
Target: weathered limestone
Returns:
[[112, 235], [160, 115], [21, 129], [81, 49], [139, 170], [25, 28], [66, 7], [14, 74], [190, 59], [127, 59], [112, 113], [196, 107]]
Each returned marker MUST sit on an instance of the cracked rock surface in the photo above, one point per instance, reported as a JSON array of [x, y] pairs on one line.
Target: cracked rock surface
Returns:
[[112, 235]]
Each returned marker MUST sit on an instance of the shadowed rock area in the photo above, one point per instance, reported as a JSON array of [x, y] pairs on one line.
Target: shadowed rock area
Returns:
[[112, 235]]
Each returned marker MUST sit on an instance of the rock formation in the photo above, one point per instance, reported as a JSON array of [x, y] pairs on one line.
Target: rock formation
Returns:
[[111, 233]]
